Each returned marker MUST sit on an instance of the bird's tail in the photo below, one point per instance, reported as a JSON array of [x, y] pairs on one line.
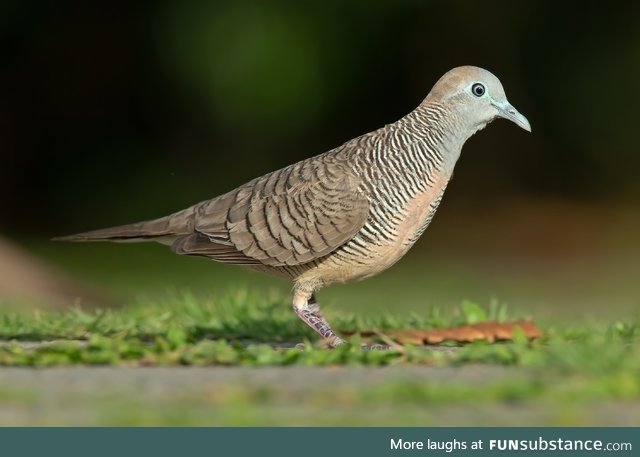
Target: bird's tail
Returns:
[[165, 228]]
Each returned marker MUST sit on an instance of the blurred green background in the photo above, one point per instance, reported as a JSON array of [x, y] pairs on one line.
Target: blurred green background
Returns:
[[113, 113]]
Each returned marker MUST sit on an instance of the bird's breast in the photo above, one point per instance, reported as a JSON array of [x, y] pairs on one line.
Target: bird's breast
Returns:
[[371, 251], [416, 215]]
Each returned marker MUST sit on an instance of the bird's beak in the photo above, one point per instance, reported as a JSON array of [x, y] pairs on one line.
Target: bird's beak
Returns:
[[507, 111]]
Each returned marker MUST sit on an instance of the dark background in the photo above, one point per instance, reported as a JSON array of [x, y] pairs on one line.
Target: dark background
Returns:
[[111, 113], [114, 113]]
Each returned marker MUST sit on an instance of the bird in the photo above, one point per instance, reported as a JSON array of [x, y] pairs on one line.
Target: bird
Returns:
[[343, 215]]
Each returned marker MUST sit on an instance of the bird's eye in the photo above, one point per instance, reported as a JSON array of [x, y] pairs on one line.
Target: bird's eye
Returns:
[[478, 89]]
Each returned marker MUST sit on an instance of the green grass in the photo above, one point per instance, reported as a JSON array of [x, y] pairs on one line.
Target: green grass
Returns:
[[557, 379], [242, 329], [232, 329]]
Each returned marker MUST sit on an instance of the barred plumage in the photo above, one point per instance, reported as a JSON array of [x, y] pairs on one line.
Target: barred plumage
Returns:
[[343, 215]]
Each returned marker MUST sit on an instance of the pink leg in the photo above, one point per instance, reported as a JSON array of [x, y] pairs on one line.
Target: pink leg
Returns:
[[309, 313]]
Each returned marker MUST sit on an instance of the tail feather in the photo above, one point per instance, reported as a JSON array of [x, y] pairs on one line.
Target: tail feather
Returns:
[[168, 227]]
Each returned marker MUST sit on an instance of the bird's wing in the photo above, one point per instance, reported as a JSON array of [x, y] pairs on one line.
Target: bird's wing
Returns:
[[289, 217]]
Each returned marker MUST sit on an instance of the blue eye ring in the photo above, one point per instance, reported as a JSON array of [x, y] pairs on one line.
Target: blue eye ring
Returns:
[[478, 89]]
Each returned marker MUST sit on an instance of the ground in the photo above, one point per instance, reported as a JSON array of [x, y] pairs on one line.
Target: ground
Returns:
[[399, 395], [232, 360]]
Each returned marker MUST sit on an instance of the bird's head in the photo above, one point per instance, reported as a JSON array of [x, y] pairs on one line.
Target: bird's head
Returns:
[[476, 96]]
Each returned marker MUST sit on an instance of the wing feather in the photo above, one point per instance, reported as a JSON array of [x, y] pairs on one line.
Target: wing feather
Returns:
[[289, 217]]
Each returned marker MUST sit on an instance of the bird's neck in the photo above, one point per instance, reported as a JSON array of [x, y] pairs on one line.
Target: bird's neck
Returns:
[[440, 131]]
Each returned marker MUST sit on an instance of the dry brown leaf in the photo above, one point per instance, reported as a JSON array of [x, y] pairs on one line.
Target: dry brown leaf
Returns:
[[489, 330]]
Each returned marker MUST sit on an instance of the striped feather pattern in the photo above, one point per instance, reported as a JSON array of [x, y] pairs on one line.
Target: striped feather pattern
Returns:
[[343, 215]]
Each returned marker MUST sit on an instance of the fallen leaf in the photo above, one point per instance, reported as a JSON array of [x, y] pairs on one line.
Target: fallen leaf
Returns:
[[488, 330]]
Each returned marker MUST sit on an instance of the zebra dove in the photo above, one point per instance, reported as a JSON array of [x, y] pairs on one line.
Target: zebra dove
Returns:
[[343, 215]]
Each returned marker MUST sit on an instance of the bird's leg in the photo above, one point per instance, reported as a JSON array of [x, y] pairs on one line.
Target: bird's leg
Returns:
[[308, 311]]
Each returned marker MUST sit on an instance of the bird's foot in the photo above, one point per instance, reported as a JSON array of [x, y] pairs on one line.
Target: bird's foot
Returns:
[[334, 342], [337, 342], [325, 343]]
